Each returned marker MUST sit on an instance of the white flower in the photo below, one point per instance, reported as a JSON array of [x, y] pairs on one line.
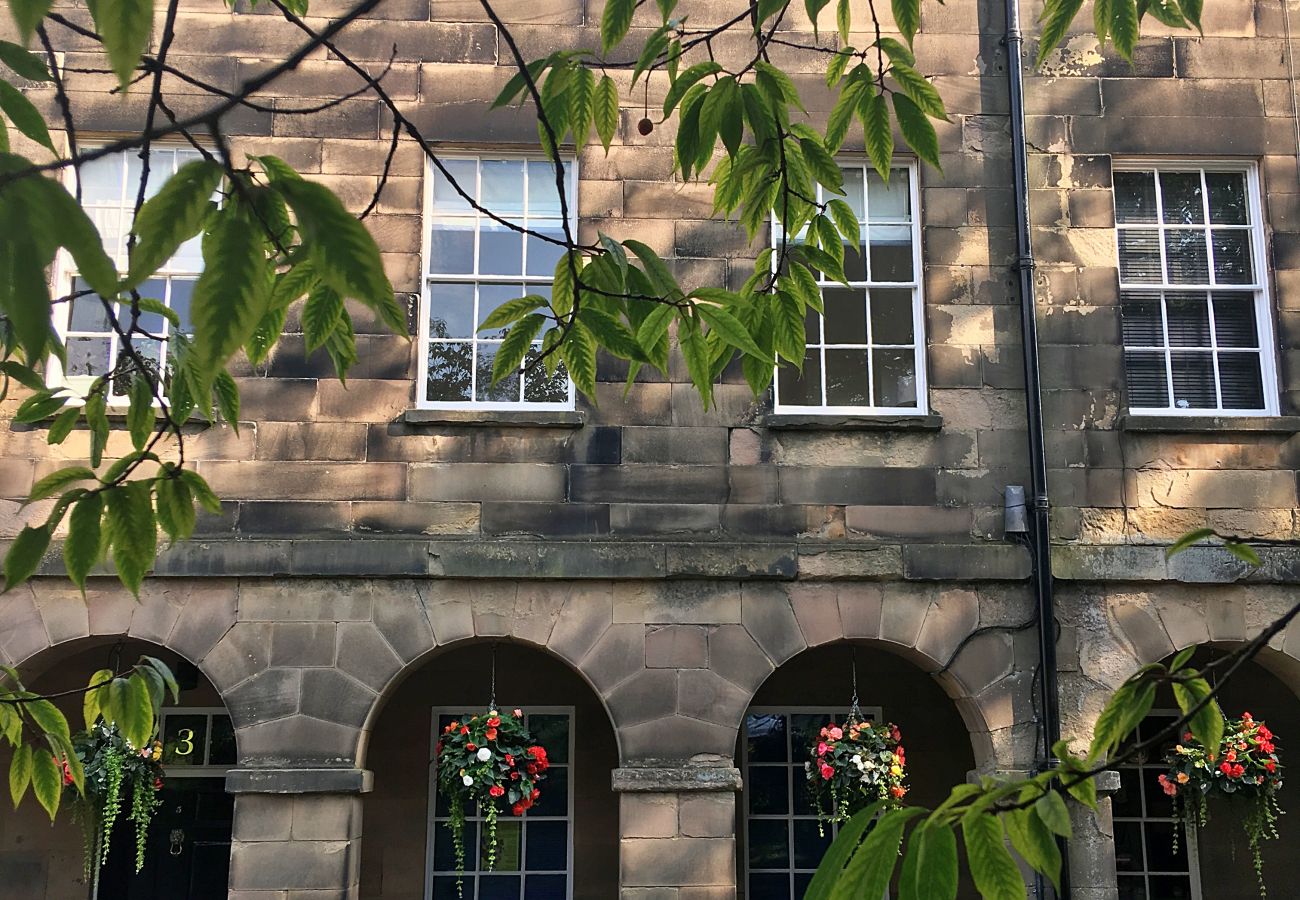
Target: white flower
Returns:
[[855, 758], [466, 780], [484, 754]]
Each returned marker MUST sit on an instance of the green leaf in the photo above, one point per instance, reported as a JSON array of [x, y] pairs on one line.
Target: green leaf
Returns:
[[843, 20], [582, 97], [226, 393], [171, 217], [131, 709], [342, 251], [1056, 19], [512, 311], [47, 717], [24, 115], [1124, 27], [140, 412], [991, 866], [1051, 809], [40, 405], [1243, 552], [47, 781], [175, 503], [165, 672], [869, 871], [62, 425], [229, 298], [1126, 707], [846, 220], [158, 308], [788, 331], [605, 110], [896, 52], [124, 26], [1188, 539], [814, 8], [612, 334], [22, 374], [779, 87], [1207, 723], [615, 22], [98, 693], [28, 65], [82, 546], [1192, 12], [511, 351], [196, 483], [28, 14], [917, 130], [907, 16], [266, 333], [517, 84], [1035, 844], [1102, 15], [823, 165], [24, 289], [57, 480], [24, 556], [1084, 791], [837, 855], [729, 328], [20, 772], [835, 71], [133, 531], [96, 412], [656, 269], [321, 313], [930, 868], [677, 90], [919, 90], [837, 125], [579, 354]]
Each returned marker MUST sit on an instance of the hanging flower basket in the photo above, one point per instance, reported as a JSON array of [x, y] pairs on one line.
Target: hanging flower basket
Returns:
[[1245, 767], [119, 779], [490, 760], [854, 765]]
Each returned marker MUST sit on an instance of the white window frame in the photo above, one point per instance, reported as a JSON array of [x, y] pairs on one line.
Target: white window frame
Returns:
[[427, 279], [471, 867], [65, 272], [1259, 288], [201, 771], [1189, 834], [916, 285], [838, 713]]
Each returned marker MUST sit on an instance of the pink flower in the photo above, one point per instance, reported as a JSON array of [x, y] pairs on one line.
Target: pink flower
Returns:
[[822, 748], [836, 733], [827, 772]]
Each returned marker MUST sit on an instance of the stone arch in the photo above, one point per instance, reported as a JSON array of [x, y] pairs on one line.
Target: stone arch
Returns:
[[771, 623]]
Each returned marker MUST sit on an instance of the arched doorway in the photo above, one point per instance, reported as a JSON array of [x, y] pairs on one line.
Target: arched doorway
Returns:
[[1214, 863], [779, 844], [565, 848], [188, 851]]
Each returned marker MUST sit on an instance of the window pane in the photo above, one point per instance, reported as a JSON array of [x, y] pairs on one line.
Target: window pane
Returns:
[[1128, 846], [888, 201], [543, 198], [891, 316], [1139, 255], [765, 737], [853, 191], [542, 388], [801, 389], [768, 790], [184, 740], [451, 248], [87, 356], [451, 310], [1193, 375], [768, 887], [1234, 320], [1232, 257], [855, 263], [543, 255], [449, 371], [1142, 321], [1240, 381], [1180, 193], [769, 844], [1135, 197], [1167, 887], [1185, 257], [504, 391], [101, 180], [182, 292], [444, 888], [809, 846], [88, 313], [445, 197], [803, 801], [509, 846], [491, 296], [1145, 377], [1188, 318], [548, 846], [546, 887], [554, 800], [891, 253], [1127, 800], [498, 887], [444, 851], [847, 382], [222, 750], [1227, 197], [1132, 888], [846, 316], [552, 733], [1160, 847], [895, 372], [500, 250], [503, 186]]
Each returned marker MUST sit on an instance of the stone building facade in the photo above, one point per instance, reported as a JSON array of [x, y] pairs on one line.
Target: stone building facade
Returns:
[[663, 575]]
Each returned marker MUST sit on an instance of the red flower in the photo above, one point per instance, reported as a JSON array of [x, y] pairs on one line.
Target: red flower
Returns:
[[1225, 768], [1187, 735], [536, 793], [493, 722], [514, 776], [496, 790], [510, 760], [1238, 770], [1270, 767], [157, 784], [464, 729], [898, 791], [471, 747], [827, 772], [1265, 733], [517, 809], [1230, 756], [532, 768], [491, 734], [537, 752]]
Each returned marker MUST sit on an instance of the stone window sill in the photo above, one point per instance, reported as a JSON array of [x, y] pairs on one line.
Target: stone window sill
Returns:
[[522, 418], [786, 421], [1210, 424]]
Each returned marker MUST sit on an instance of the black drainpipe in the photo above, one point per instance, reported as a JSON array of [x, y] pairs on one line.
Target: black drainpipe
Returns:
[[1040, 540]]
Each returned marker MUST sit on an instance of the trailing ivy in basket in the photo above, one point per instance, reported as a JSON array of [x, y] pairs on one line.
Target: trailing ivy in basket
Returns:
[[488, 760], [1244, 767]]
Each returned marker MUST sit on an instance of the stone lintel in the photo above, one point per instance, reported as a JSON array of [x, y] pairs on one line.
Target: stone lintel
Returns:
[[675, 779], [299, 781], [546, 418]]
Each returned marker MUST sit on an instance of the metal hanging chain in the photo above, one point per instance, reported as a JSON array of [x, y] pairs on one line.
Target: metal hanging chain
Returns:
[[492, 690], [855, 711]]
